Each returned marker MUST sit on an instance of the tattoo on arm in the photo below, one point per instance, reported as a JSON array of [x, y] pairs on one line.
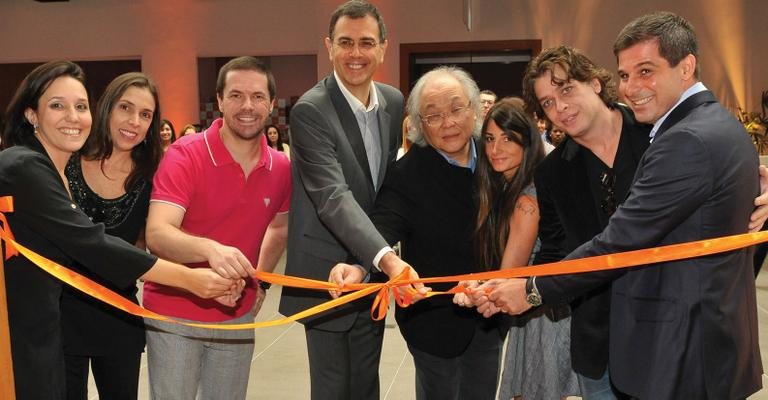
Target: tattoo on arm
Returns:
[[526, 208]]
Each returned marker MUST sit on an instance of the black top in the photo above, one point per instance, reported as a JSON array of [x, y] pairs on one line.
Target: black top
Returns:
[[48, 222], [124, 217], [571, 197], [428, 205]]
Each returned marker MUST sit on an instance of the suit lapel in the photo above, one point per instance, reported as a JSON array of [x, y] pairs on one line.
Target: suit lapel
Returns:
[[349, 125], [384, 131], [684, 108]]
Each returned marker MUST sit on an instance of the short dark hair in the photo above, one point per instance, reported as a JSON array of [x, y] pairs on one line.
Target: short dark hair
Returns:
[[245, 63], [576, 65], [18, 129], [675, 34], [146, 155], [356, 9], [490, 93]]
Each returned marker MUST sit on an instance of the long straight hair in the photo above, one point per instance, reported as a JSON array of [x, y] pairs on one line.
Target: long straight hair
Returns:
[[279, 145], [147, 154], [496, 195]]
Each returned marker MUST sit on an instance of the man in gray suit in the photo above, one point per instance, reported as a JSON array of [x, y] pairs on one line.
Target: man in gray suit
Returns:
[[685, 329], [344, 135]]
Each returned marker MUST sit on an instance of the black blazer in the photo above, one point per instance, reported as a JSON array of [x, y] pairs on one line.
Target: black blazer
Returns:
[[428, 205], [685, 329], [569, 218], [332, 193], [47, 221]]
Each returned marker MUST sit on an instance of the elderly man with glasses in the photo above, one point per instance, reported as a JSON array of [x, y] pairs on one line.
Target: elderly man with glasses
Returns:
[[427, 204]]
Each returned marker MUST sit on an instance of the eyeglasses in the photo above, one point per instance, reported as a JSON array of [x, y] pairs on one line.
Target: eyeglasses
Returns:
[[435, 120], [363, 44], [607, 181]]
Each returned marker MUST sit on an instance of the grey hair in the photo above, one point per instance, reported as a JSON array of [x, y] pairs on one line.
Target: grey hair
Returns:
[[414, 100]]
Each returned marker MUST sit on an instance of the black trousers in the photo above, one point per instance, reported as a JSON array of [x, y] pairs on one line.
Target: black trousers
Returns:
[[117, 377], [472, 375], [345, 365]]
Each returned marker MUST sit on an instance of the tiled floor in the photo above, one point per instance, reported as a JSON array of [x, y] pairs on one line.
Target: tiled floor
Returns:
[[280, 371]]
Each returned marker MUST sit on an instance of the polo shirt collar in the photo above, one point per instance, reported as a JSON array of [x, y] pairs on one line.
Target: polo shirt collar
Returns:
[[219, 153]]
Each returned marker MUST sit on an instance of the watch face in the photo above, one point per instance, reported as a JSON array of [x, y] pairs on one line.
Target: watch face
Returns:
[[533, 299]]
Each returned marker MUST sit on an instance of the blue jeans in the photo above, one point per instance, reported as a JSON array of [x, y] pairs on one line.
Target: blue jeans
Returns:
[[596, 389]]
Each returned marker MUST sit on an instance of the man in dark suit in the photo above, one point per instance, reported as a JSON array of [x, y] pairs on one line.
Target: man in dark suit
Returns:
[[684, 329], [344, 136]]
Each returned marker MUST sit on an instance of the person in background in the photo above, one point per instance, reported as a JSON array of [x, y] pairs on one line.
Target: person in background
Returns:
[[487, 99], [537, 363], [555, 135], [406, 143], [110, 178], [275, 140], [48, 120], [220, 199], [167, 134], [187, 130]]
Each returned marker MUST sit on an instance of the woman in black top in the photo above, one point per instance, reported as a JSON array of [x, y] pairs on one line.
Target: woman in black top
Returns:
[[48, 120], [111, 180]]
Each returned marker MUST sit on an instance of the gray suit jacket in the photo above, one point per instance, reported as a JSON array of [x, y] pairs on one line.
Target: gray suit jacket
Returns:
[[685, 329], [333, 192]]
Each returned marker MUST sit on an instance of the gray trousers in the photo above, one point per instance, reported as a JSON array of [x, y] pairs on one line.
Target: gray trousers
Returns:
[[185, 362]]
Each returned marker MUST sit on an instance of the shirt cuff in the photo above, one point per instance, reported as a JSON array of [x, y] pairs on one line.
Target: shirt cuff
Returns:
[[379, 255]]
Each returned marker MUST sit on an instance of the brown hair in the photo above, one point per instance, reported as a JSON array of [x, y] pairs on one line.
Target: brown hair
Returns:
[[146, 155], [576, 66], [245, 63], [495, 195]]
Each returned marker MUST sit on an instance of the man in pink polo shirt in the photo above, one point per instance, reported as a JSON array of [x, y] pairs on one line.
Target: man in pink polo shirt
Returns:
[[220, 199]]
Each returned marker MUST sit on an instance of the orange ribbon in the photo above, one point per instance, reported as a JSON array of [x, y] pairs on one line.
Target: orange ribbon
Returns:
[[381, 301]]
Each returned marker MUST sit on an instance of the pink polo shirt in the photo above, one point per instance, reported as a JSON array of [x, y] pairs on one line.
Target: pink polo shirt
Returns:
[[199, 175]]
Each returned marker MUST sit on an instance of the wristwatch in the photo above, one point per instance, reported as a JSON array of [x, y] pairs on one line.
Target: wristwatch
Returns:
[[264, 286], [531, 293]]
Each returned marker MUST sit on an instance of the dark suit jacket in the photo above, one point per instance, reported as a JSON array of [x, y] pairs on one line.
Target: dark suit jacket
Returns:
[[685, 329], [570, 217], [427, 204], [333, 192], [46, 221]]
